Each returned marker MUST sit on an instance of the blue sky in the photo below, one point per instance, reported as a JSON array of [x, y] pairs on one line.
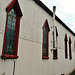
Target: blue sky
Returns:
[[65, 10]]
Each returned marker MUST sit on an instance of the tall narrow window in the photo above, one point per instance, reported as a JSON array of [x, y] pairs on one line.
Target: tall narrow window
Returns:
[[66, 55], [70, 54], [11, 35], [45, 40]]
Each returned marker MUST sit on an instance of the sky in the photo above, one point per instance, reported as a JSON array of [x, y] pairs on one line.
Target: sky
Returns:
[[65, 10]]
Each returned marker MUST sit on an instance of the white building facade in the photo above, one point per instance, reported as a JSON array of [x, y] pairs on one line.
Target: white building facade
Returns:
[[31, 53]]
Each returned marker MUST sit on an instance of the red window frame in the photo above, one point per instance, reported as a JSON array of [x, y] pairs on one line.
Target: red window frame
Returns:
[[13, 4], [74, 45], [70, 53], [47, 46], [66, 52]]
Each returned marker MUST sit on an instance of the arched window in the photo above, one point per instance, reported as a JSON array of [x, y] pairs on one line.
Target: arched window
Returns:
[[11, 35], [66, 55], [70, 54], [45, 40]]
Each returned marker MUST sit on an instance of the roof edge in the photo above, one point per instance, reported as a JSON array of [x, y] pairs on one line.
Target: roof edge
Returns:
[[51, 14]]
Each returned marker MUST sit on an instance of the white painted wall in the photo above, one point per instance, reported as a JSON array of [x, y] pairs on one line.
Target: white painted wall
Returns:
[[30, 60]]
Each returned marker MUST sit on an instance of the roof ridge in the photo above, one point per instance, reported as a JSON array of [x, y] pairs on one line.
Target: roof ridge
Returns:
[[51, 14]]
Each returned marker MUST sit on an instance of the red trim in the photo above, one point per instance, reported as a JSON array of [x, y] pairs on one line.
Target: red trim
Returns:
[[47, 43], [44, 23], [55, 58], [70, 54], [66, 37], [45, 57], [16, 35], [9, 56], [43, 46], [10, 5], [66, 52], [13, 4]]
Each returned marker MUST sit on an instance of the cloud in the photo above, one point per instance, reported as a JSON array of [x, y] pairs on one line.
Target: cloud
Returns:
[[65, 10]]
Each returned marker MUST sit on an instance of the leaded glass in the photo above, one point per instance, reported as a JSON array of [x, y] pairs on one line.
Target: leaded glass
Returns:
[[45, 42], [10, 33]]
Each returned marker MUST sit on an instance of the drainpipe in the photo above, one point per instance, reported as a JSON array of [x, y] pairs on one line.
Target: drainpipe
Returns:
[[54, 9], [14, 69]]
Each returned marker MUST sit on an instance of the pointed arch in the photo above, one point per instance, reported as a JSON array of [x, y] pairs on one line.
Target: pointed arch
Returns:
[[66, 52], [14, 4], [10, 44], [70, 53], [45, 46]]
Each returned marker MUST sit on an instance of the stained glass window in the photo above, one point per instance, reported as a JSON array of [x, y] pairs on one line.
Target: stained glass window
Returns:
[[66, 52], [45, 46], [70, 53], [45, 41], [10, 33]]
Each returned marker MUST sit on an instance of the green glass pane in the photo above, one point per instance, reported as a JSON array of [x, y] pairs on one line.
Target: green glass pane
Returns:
[[10, 33], [45, 41], [45, 53], [9, 22], [44, 45], [13, 23], [9, 17], [9, 26], [13, 28], [7, 37], [12, 37]]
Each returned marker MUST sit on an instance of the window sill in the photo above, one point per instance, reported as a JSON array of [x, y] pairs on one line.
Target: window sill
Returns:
[[55, 58], [45, 57], [9, 56]]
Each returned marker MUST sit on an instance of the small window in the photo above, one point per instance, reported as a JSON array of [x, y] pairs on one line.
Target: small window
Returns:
[[11, 35], [66, 55], [45, 40], [70, 53]]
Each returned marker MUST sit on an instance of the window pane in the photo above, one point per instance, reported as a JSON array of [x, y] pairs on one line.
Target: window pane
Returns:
[[13, 33], [14, 20], [9, 26], [13, 28], [9, 18], [10, 33], [45, 42], [45, 52], [9, 22], [12, 37]]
